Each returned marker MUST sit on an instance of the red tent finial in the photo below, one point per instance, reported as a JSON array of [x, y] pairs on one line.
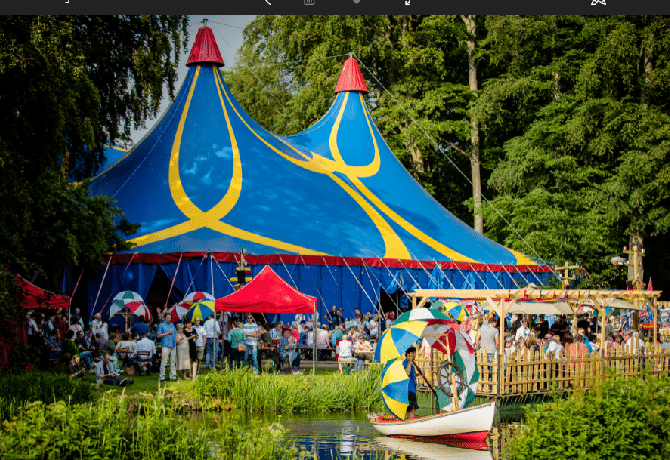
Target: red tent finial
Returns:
[[351, 78], [205, 49]]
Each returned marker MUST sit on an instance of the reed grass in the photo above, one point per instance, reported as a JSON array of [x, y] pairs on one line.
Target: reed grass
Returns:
[[120, 428], [19, 389], [290, 393]]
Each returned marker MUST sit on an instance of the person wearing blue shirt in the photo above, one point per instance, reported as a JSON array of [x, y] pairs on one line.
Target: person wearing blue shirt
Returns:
[[139, 328], [408, 363], [166, 334]]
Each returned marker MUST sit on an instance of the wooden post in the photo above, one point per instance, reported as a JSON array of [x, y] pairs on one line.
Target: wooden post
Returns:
[[654, 310], [637, 283], [601, 313]]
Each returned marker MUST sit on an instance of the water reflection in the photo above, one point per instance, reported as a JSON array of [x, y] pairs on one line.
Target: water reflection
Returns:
[[350, 435]]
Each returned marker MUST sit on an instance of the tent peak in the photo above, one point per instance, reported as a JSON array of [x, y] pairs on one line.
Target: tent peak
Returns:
[[351, 78], [205, 50]]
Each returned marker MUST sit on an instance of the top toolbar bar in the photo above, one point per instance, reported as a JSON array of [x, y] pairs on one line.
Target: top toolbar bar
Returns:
[[343, 7]]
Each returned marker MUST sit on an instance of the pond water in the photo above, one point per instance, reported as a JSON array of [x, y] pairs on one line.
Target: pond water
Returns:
[[337, 436]]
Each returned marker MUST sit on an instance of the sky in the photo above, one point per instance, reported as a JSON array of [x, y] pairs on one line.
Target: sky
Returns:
[[228, 34]]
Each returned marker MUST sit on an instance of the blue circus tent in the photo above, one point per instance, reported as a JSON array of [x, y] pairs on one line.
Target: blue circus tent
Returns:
[[330, 209]]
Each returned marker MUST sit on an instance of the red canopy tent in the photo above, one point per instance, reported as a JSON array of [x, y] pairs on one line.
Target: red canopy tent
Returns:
[[34, 297], [267, 293]]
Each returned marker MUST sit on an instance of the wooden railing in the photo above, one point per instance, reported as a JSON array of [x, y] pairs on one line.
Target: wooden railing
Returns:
[[534, 372]]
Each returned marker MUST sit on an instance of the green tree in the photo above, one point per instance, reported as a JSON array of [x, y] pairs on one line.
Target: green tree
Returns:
[[580, 115], [68, 85]]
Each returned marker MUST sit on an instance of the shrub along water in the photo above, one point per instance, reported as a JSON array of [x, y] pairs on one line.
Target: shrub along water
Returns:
[[18, 389], [119, 429], [295, 393], [626, 418]]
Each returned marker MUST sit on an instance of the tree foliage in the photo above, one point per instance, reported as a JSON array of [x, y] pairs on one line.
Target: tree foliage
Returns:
[[587, 162], [68, 85]]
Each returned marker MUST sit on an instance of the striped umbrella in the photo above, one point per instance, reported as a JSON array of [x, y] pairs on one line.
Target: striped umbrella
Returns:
[[453, 309], [443, 335], [128, 296], [421, 313], [397, 339], [118, 306], [177, 312], [197, 295], [463, 366], [202, 309], [140, 310], [395, 387]]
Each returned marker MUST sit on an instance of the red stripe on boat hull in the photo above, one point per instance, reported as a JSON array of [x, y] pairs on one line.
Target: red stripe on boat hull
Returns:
[[473, 436]]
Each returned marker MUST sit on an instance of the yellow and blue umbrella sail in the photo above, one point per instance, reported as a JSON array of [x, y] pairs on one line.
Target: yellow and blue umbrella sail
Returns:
[[397, 339], [395, 386]]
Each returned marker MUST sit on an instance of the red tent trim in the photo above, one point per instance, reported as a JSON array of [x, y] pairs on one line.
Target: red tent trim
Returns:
[[297, 259], [35, 297], [267, 292]]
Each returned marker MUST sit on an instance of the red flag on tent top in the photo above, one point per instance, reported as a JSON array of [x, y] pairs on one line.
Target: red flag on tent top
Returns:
[[205, 50], [351, 78]]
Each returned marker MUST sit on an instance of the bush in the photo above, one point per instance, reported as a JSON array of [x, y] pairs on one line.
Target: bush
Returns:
[[121, 429], [625, 418], [18, 389], [288, 394]]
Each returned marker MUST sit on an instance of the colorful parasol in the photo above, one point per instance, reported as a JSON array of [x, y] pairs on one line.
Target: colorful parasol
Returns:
[[177, 312], [202, 309], [140, 310], [421, 313], [395, 387], [397, 339], [453, 309], [443, 335], [118, 306], [463, 365], [197, 295], [128, 296]]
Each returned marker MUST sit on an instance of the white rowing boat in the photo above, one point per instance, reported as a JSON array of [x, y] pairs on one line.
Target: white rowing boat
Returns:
[[470, 424]]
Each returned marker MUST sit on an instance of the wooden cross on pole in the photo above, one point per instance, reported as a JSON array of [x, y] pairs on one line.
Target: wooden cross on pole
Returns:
[[636, 283], [636, 262], [565, 276]]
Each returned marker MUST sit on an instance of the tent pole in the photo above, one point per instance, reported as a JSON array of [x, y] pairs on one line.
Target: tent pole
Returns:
[[314, 342], [216, 318]]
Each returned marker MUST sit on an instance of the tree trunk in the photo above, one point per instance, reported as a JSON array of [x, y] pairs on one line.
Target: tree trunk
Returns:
[[475, 161], [635, 239], [554, 59]]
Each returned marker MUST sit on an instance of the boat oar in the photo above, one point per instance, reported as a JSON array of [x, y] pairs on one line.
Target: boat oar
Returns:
[[426, 380]]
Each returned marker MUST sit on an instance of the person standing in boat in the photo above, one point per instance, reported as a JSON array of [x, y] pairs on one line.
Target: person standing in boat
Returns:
[[410, 355]]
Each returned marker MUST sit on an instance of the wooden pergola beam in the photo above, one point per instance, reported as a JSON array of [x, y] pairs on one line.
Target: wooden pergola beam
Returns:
[[534, 294]]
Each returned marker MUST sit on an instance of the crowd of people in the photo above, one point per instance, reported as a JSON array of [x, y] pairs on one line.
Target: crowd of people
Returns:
[[186, 346], [109, 350], [561, 338]]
